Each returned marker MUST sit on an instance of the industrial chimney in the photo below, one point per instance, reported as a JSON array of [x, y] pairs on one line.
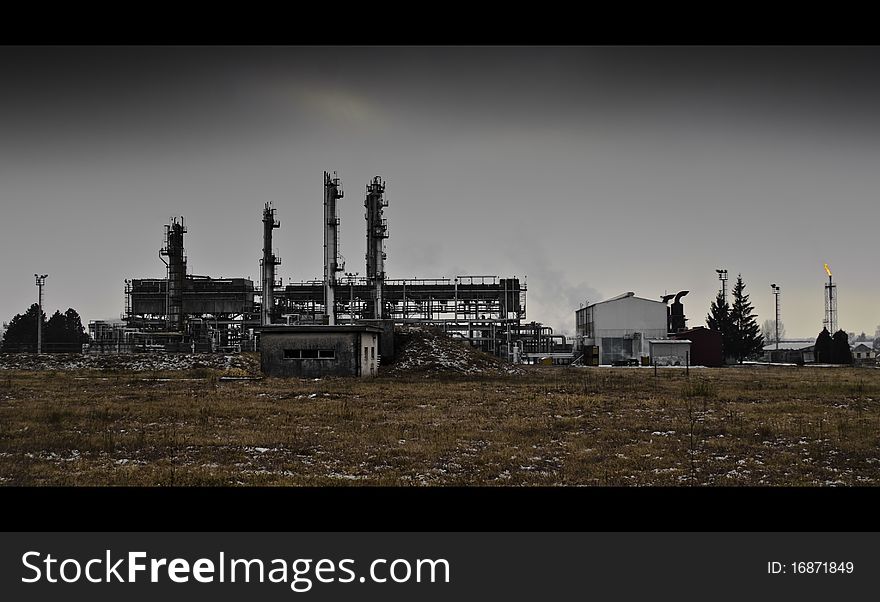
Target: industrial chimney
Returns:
[[675, 320]]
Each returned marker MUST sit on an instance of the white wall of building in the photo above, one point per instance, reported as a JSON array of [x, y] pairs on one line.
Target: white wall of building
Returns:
[[670, 353], [629, 315]]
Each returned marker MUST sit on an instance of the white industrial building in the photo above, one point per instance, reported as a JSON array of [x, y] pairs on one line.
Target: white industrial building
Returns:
[[621, 327]]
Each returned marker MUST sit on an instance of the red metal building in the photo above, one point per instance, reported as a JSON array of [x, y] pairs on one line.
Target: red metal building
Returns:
[[705, 346]]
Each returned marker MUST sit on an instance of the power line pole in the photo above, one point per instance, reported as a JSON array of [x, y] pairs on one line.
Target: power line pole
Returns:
[[351, 279], [41, 281]]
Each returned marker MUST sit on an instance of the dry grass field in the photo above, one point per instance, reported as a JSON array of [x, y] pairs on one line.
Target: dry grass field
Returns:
[[547, 426]]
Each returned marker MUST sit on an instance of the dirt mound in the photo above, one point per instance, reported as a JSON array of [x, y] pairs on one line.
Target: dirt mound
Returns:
[[428, 351], [131, 362]]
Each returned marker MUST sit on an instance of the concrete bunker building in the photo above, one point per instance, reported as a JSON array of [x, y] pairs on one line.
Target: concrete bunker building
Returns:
[[319, 351]]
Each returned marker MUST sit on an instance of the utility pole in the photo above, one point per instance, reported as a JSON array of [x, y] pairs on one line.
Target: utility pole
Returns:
[[776, 294], [41, 281], [456, 299], [506, 324], [351, 279]]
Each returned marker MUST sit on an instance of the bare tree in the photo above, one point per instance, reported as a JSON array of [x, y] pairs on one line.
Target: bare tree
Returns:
[[768, 330]]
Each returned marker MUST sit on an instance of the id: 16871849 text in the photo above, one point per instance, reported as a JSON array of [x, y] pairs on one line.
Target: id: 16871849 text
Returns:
[[802, 567]]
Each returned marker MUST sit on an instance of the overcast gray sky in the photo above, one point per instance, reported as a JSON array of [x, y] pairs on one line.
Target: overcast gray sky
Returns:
[[591, 170]]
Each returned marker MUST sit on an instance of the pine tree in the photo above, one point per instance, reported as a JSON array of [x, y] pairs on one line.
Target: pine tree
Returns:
[[73, 326], [823, 347], [53, 333], [62, 332], [719, 320], [746, 332], [21, 332], [840, 350]]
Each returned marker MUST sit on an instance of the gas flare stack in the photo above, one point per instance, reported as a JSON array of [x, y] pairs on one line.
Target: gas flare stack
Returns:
[[830, 321]]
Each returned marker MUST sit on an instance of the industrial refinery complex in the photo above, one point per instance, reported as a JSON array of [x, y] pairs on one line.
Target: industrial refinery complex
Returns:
[[186, 312], [345, 323]]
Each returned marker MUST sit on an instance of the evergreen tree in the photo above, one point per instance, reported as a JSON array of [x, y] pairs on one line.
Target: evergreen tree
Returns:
[[719, 321], [840, 351], [21, 332], [824, 347], [54, 332], [75, 332], [62, 332], [746, 332]]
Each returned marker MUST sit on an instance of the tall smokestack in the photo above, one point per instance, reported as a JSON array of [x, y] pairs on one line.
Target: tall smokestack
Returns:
[[267, 264], [332, 263], [176, 274], [377, 232]]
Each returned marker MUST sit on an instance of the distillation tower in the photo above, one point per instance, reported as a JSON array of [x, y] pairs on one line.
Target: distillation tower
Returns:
[[332, 261], [267, 265], [176, 273], [377, 232]]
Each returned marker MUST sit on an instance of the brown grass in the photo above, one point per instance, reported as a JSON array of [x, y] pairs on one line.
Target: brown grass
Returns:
[[550, 426]]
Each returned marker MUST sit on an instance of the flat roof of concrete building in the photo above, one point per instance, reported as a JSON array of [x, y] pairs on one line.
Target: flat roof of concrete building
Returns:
[[300, 328], [791, 345], [698, 329]]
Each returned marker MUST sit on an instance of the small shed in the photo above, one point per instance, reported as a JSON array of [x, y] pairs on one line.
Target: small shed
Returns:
[[317, 351], [670, 352]]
